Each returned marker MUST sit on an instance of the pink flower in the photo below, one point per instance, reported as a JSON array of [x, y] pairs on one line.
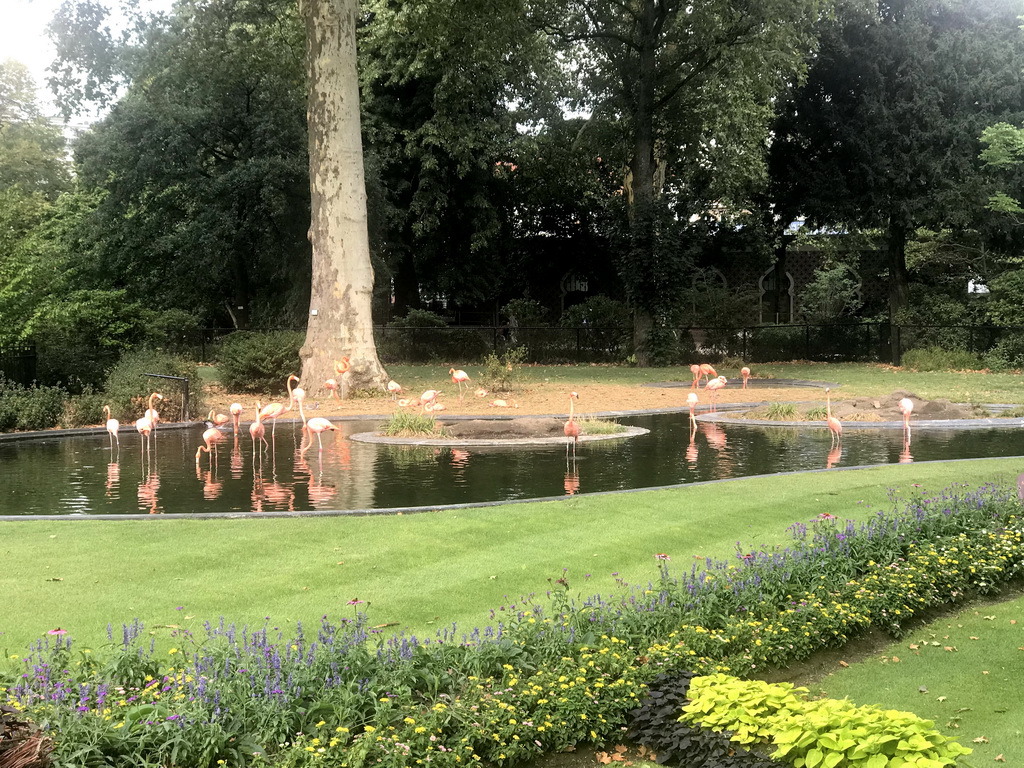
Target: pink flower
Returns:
[[662, 556], [57, 631], [355, 601]]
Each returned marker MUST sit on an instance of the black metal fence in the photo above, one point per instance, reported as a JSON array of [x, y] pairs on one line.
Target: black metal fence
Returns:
[[850, 342], [18, 364]]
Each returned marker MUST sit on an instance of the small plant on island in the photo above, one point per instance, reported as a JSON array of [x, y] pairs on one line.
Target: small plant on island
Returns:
[[407, 424], [599, 427], [780, 412]]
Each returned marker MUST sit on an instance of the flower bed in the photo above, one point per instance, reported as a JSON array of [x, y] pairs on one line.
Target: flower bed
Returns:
[[563, 671]]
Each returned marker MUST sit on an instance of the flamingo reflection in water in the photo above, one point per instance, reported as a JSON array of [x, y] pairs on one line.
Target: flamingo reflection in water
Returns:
[[835, 455], [906, 457], [237, 460], [113, 480], [460, 460], [572, 478], [212, 486], [148, 490], [320, 495], [691, 449]]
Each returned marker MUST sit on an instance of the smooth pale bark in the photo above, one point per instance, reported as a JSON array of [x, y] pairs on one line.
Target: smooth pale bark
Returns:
[[340, 320]]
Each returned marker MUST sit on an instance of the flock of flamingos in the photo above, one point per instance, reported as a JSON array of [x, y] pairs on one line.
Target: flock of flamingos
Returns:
[[427, 402]]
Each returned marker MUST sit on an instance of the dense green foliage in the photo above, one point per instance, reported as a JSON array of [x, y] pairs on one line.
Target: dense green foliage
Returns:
[[29, 408], [258, 361], [128, 386]]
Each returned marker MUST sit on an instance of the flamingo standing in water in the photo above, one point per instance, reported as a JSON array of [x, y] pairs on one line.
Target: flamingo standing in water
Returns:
[[151, 413], [272, 411], [257, 431], [745, 373], [295, 394], [236, 415], [906, 406], [316, 426], [144, 427], [211, 437], [691, 400], [571, 428], [113, 425], [835, 426], [713, 386]]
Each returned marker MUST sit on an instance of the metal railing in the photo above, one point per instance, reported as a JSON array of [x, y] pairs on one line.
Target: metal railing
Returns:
[[18, 364]]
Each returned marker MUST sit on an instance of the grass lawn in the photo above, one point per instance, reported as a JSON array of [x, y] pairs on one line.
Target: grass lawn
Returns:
[[416, 571], [962, 671]]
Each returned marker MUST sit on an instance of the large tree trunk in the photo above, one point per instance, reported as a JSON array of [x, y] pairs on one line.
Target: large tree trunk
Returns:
[[340, 319], [642, 200], [899, 284]]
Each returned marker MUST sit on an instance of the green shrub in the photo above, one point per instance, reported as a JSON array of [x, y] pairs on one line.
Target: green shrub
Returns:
[[84, 409], [411, 424], [30, 408], [940, 359], [780, 412], [128, 387], [1007, 354], [259, 362], [503, 373], [825, 733]]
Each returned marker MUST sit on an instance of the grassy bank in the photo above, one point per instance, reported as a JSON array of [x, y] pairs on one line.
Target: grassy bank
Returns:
[[421, 571]]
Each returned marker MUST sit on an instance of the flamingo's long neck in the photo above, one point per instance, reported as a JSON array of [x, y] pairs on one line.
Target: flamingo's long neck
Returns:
[[828, 405], [570, 409], [151, 401]]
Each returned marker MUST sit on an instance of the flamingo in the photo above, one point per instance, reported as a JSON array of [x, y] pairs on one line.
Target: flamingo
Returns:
[[405, 402], [691, 400], [144, 427], [498, 403], [428, 397], [480, 392], [458, 377], [272, 411], [438, 407], [211, 437], [332, 385], [151, 413], [316, 425], [257, 431], [706, 371], [906, 406], [236, 414], [295, 395], [834, 456], [341, 367], [695, 370], [394, 388], [218, 419], [571, 428], [713, 386], [745, 373], [113, 425], [835, 426]]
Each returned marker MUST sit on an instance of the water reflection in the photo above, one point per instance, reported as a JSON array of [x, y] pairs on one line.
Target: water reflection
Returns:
[[83, 475]]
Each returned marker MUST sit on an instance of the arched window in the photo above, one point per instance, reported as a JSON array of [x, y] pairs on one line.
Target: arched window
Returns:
[[767, 304]]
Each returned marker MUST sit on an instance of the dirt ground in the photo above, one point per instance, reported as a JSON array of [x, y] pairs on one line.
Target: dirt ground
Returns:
[[552, 400]]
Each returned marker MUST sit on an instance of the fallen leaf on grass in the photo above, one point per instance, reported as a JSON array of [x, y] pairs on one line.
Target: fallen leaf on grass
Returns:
[[949, 648], [603, 758], [895, 659], [980, 740], [913, 646], [941, 698], [989, 618], [55, 579], [973, 638], [843, 664], [621, 749], [999, 758]]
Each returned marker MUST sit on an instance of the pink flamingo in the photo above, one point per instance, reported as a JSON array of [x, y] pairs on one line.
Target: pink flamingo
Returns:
[[713, 386], [394, 388], [341, 368], [257, 431], [113, 425], [316, 426], [498, 403], [835, 426], [332, 386], [218, 419], [745, 373], [272, 411], [691, 400], [834, 456], [211, 437], [428, 397], [236, 414], [906, 406], [695, 370], [706, 371], [144, 427], [571, 428], [151, 413], [458, 377], [295, 394]]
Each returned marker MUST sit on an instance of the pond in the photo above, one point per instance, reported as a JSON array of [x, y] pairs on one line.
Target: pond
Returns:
[[80, 475]]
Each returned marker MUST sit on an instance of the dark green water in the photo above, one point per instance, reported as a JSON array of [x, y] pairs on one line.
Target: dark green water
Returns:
[[80, 476]]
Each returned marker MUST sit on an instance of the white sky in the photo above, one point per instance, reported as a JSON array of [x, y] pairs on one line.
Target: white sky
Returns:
[[23, 37]]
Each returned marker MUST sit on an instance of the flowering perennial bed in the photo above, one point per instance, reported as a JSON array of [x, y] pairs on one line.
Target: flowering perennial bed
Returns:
[[561, 671]]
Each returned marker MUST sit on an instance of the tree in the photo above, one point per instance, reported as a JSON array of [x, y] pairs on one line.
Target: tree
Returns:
[[340, 321], [884, 132], [690, 88]]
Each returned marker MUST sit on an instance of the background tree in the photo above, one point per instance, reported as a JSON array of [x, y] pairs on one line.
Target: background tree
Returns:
[[690, 89], [884, 132]]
